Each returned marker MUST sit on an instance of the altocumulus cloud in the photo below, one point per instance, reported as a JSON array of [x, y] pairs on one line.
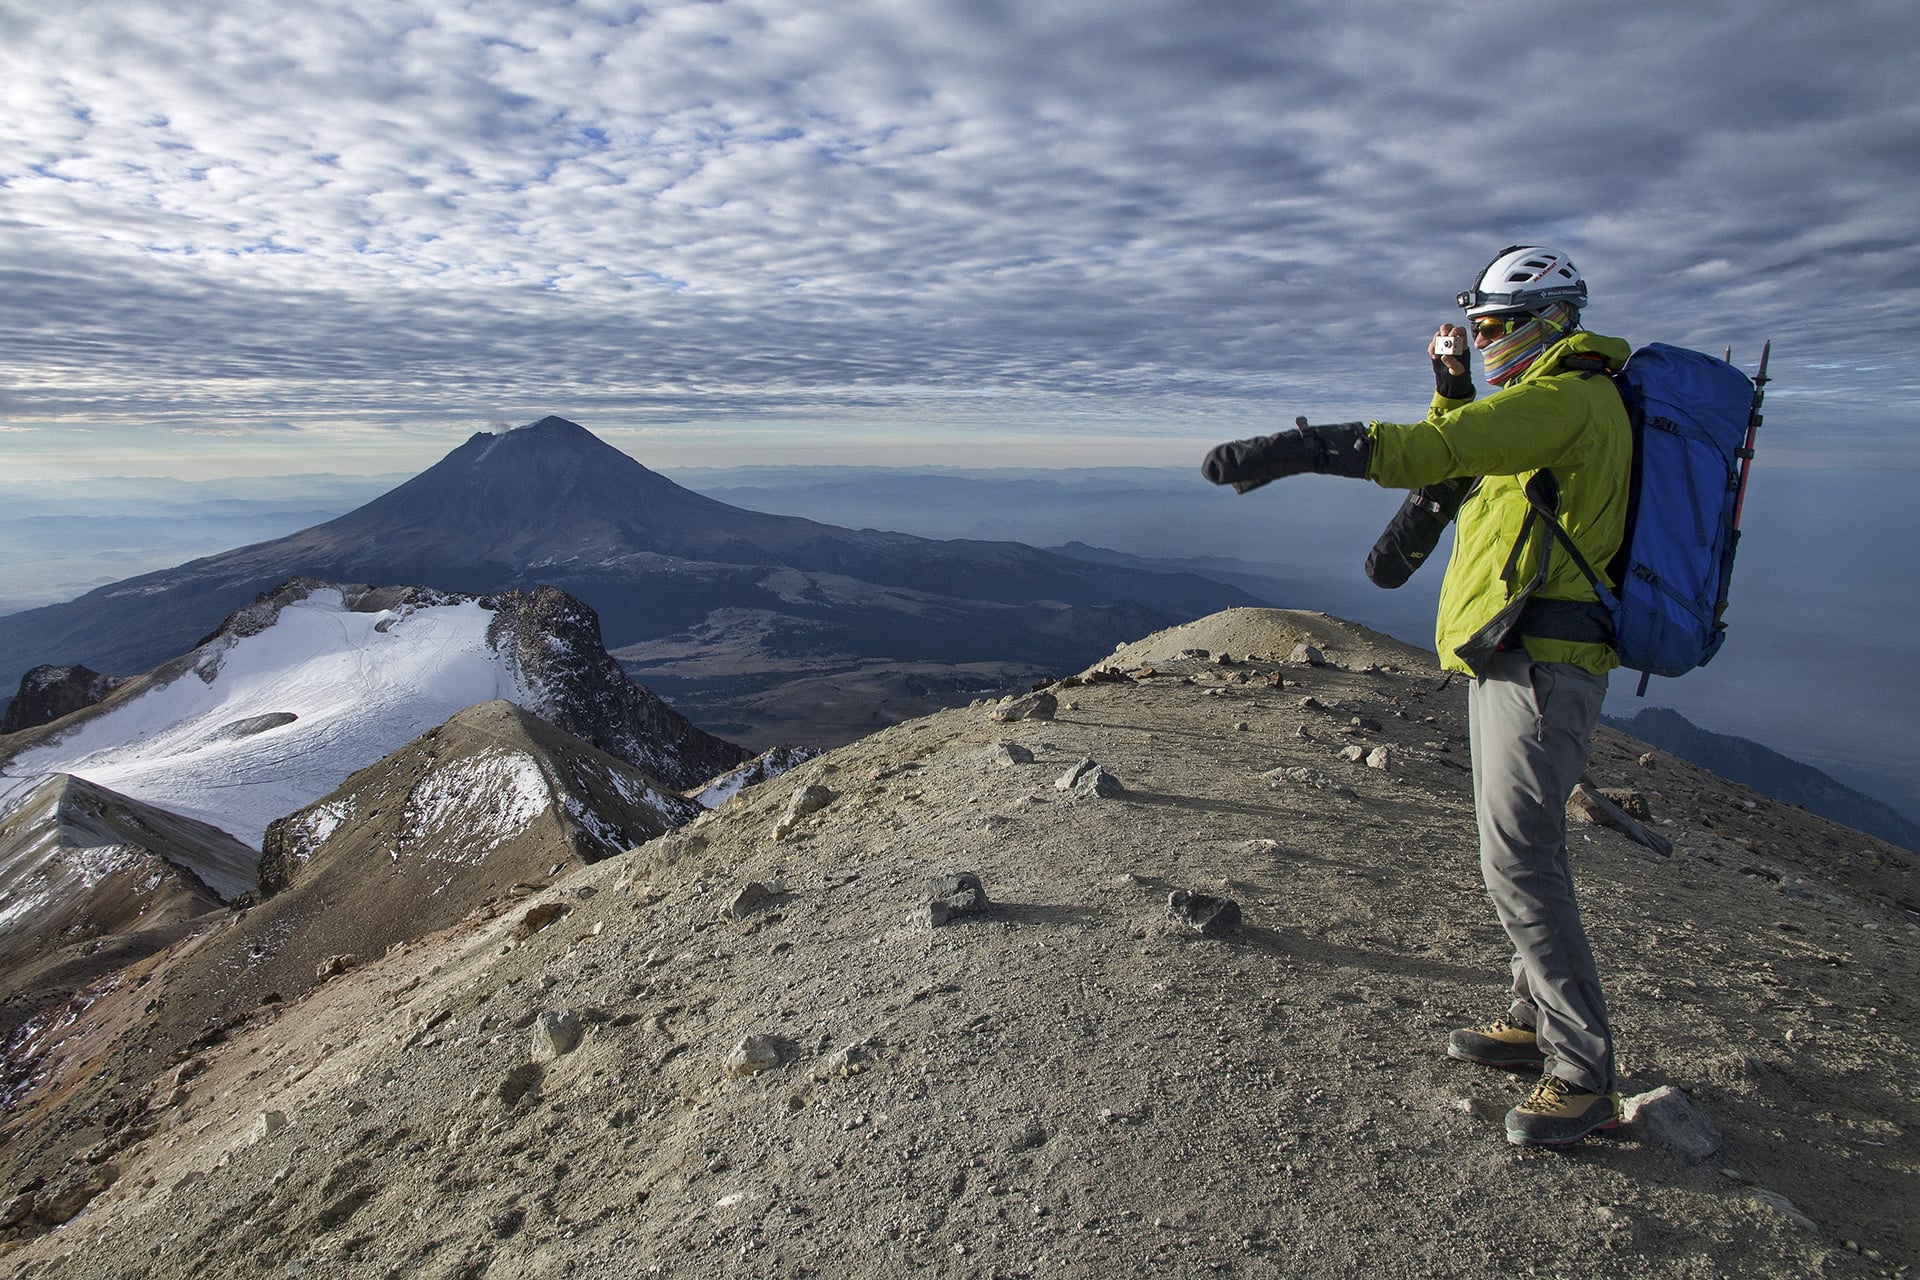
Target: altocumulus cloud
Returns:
[[959, 210]]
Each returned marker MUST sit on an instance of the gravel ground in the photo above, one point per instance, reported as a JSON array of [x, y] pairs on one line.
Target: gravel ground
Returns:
[[810, 1078]]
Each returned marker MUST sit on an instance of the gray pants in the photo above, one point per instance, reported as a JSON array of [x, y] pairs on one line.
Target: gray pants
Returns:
[[1532, 727]]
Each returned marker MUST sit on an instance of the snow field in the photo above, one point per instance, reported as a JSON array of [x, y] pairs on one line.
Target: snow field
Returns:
[[358, 684]]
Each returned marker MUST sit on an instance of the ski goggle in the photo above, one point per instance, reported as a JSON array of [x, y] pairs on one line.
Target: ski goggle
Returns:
[[1499, 326]]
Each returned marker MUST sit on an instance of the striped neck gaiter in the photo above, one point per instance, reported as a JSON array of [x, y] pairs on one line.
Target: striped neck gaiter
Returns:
[[1505, 359]]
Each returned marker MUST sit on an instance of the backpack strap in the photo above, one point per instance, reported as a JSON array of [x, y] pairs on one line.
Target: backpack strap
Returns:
[[1543, 507], [1586, 363], [1547, 513], [1580, 621], [1583, 621]]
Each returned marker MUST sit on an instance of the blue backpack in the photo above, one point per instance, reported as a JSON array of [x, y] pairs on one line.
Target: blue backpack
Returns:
[[1693, 419]]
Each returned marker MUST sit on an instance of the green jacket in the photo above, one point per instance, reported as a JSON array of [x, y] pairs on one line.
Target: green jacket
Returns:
[[1550, 416]]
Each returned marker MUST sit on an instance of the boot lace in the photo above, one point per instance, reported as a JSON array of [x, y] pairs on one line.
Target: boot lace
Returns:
[[1549, 1095]]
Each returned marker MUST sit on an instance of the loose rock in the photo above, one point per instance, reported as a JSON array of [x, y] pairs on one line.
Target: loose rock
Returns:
[[1089, 777], [555, 1032], [1032, 706], [332, 967], [1011, 753], [268, 1124], [958, 894], [806, 802], [754, 895], [1306, 654], [1204, 913], [751, 1056], [1669, 1117], [538, 917], [809, 800], [961, 890]]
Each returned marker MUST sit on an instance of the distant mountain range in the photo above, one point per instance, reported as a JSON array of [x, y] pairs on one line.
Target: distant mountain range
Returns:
[[1770, 773], [551, 503]]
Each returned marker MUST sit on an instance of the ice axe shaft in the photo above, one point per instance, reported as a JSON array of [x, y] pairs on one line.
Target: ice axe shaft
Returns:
[[1760, 381]]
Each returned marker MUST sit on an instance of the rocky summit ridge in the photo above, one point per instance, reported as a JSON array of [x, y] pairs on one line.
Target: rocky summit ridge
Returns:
[[1147, 972], [91, 882]]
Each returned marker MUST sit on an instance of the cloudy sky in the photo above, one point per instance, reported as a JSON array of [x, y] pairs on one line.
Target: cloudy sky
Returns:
[[246, 235]]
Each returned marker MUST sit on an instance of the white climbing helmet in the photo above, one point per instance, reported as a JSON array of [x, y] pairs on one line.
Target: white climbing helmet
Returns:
[[1525, 278]]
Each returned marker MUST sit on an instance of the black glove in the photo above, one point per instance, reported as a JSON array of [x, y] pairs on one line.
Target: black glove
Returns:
[[1414, 531], [1454, 386], [1337, 449]]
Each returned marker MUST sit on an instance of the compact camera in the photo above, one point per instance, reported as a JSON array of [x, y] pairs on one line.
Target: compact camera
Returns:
[[1447, 346]]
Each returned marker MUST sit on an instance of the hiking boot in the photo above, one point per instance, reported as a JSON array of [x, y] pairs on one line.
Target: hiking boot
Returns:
[[1499, 1043], [1556, 1113]]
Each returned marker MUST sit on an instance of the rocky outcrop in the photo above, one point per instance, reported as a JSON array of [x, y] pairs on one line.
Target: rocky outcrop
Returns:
[[322, 678], [495, 796], [554, 641], [49, 692]]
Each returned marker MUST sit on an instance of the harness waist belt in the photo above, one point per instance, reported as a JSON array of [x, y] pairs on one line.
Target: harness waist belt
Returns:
[[1579, 621]]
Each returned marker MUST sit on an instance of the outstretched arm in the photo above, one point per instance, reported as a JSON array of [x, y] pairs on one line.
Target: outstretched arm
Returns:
[[1339, 449]]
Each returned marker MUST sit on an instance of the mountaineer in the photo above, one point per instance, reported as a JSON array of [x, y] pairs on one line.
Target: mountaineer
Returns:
[[1517, 619]]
